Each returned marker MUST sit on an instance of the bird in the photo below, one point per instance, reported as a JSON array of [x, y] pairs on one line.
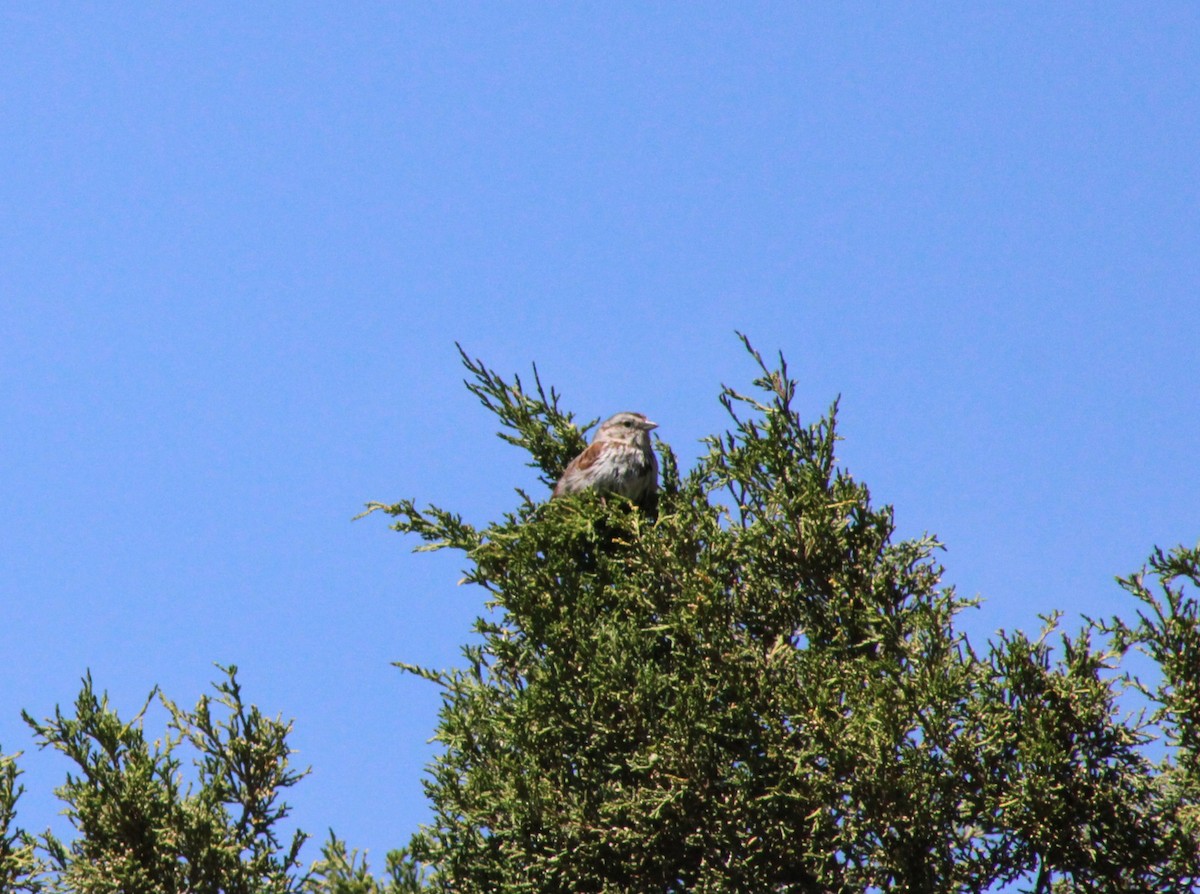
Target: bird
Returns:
[[618, 461]]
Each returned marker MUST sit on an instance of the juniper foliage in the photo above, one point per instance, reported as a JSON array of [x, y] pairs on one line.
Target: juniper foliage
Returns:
[[763, 689], [20, 866], [141, 829]]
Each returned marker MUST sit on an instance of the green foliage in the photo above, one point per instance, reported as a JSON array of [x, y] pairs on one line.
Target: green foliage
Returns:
[[20, 867], [1168, 631], [762, 689], [141, 830], [340, 871]]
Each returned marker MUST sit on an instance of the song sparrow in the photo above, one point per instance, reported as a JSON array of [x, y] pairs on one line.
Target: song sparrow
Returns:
[[618, 461]]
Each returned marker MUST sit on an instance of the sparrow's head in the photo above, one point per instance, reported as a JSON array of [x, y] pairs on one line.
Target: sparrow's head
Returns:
[[629, 428]]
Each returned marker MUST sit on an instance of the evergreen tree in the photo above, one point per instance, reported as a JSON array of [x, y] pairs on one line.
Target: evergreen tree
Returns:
[[762, 689], [141, 828]]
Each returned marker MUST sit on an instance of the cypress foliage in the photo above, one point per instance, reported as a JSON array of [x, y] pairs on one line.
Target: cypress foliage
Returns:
[[762, 689]]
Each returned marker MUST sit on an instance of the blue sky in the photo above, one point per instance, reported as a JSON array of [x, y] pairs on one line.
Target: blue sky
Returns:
[[237, 247]]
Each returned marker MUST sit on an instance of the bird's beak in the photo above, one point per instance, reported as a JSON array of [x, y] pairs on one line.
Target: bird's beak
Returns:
[[649, 426]]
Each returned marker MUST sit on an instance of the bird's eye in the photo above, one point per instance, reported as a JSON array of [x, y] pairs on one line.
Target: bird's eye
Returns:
[[627, 424]]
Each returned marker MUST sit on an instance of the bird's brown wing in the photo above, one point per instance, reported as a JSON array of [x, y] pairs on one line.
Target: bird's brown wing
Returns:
[[588, 458], [580, 463]]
